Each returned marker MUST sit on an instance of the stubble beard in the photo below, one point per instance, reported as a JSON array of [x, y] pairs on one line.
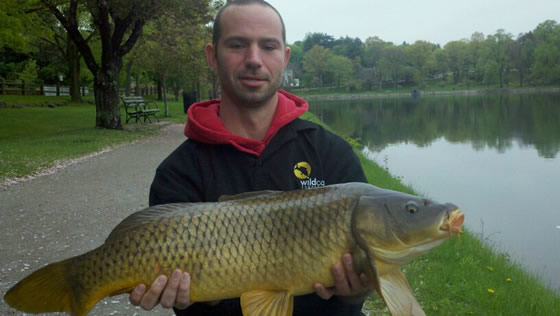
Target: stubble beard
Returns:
[[247, 97]]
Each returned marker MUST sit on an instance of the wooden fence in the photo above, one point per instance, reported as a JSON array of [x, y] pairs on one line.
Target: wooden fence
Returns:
[[140, 90], [23, 88]]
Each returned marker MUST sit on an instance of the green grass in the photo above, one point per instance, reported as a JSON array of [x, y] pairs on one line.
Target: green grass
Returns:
[[36, 100], [435, 85], [36, 137], [176, 114]]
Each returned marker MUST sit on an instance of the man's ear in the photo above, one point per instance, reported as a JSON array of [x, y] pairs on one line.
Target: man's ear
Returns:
[[211, 57], [287, 54]]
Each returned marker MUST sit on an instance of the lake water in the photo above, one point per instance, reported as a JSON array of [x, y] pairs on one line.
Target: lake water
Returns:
[[496, 156]]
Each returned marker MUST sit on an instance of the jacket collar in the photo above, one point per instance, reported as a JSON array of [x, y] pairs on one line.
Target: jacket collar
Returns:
[[204, 124]]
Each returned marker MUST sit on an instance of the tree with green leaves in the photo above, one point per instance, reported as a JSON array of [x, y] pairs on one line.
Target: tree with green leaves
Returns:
[[341, 68], [321, 39], [476, 48], [12, 27], [370, 60], [347, 47], [422, 60], [119, 25], [522, 55], [457, 58], [499, 46], [173, 49], [47, 29], [546, 67], [315, 62], [392, 63]]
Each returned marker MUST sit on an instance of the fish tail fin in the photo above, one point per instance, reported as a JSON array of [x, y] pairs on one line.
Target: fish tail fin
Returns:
[[46, 290]]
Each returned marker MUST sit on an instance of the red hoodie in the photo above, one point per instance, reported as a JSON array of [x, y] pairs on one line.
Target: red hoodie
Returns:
[[205, 126]]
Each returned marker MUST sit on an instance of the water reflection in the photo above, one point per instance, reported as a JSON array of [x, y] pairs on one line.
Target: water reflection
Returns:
[[495, 121]]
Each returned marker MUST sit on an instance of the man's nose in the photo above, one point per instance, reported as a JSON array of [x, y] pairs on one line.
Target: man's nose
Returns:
[[253, 57]]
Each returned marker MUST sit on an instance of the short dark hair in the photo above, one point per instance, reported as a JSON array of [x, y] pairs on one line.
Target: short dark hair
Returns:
[[216, 29]]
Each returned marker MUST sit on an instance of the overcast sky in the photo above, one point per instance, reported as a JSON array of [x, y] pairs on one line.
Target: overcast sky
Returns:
[[436, 21]]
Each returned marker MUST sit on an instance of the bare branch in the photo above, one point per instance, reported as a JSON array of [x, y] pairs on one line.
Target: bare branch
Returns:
[[121, 25], [136, 32], [71, 26]]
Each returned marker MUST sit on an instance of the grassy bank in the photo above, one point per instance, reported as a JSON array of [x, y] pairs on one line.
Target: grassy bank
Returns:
[[35, 137], [432, 87]]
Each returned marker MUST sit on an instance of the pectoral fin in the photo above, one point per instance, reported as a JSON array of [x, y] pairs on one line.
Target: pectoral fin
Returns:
[[258, 302], [398, 295]]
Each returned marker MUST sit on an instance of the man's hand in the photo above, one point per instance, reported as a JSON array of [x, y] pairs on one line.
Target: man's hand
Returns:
[[175, 293], [346, 281]]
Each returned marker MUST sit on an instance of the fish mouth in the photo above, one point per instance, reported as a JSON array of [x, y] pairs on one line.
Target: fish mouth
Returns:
[[453, 222]]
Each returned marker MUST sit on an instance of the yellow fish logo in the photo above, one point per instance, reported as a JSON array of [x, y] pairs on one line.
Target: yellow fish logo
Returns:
[[302, 170]]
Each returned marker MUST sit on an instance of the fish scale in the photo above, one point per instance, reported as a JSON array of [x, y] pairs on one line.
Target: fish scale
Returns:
[[264, 247]]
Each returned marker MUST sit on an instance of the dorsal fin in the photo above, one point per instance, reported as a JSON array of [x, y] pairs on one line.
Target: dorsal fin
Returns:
[[146, 216], [246, 195]]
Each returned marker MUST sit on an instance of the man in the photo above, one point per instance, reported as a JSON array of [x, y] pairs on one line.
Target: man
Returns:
[[252, 140]]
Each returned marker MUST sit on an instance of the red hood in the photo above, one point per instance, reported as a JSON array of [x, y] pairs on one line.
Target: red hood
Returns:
[[205, 126]]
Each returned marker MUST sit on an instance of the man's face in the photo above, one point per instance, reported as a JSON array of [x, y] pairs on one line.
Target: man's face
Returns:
[[250, 55]]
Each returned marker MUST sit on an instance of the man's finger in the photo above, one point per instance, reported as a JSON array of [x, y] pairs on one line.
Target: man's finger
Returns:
[[340, 281], [183, 293], [170, 292], [136, 295], [351, 276], [323, 292], [151, 298]]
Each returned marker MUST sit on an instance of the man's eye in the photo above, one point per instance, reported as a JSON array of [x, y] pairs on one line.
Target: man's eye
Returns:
[[269, 47], [236, 45]]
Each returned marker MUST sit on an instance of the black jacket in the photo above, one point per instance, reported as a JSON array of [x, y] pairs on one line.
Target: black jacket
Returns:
[[301, 155]]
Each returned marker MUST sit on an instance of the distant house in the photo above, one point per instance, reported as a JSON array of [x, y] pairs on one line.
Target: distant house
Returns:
[[288, 79]]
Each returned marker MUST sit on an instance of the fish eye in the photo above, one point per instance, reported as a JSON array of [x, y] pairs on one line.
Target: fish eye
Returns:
[[411, 207]]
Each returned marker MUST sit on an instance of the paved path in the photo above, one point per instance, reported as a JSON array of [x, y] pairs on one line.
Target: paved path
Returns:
[[72, 211]]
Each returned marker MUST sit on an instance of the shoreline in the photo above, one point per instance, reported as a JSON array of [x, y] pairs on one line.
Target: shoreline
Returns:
[[466, 92]]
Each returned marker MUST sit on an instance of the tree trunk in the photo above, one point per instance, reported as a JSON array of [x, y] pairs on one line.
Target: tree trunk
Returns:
[[128, 81], [163, 88], [501, 76], [136, 83], [117, 39], [106, 90], [159, 92], [74, 61], [176, 91]]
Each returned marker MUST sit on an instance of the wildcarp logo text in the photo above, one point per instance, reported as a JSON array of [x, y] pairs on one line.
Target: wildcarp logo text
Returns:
[[302, 171]]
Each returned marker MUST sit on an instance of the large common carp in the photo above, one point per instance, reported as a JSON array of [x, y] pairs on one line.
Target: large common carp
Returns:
[[264, 247]]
